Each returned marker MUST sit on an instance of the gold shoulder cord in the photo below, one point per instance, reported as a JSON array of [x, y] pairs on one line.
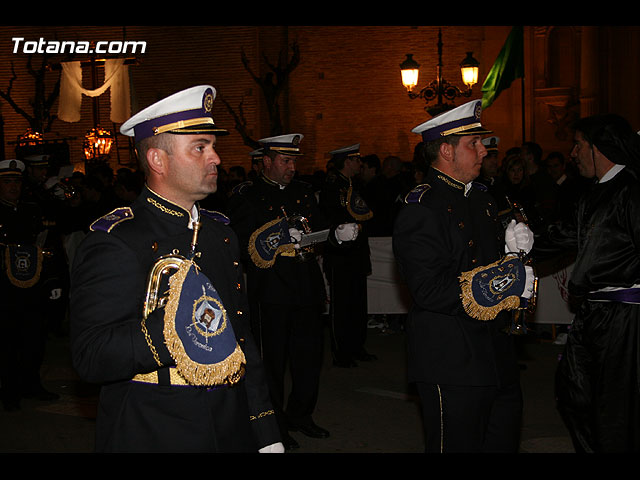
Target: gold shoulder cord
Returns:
[[147, 337]]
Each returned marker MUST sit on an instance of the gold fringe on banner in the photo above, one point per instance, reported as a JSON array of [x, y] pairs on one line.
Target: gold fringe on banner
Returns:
[[286, 250], [361, 217], [471, 306], [23, 283], [228, 371]]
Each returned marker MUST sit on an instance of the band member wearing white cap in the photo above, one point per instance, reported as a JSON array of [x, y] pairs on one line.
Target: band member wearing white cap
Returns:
[[23, 329], [597, 377], [288, 289], [490, 163], [173, 380], [452, 253], [346, 267]]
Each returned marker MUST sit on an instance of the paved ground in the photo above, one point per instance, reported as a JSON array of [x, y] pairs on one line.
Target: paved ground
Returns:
[[368, 409]]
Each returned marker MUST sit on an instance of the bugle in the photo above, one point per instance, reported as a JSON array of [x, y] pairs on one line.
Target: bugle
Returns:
[[518, 324]]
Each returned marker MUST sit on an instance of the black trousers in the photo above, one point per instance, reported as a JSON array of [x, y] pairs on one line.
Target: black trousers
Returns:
[[348, 291], [470, 419], [293, 337], [597, 378], [23, 335]]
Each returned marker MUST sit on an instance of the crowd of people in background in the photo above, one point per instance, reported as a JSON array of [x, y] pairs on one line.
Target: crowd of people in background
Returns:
[[544, 185]]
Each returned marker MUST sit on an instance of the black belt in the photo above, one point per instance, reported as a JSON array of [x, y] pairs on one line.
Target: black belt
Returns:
[[167, 376]]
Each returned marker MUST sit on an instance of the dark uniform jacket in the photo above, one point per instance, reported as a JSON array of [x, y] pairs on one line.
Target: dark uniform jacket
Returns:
[[109, 346], [20, 224], [441, 232], [351, 256], [288, 281]]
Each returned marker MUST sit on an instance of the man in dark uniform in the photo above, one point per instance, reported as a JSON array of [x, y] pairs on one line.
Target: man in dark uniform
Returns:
[[346, 267], [43, 188], [490, 163], [175, 378], [597, 377], [449, 247], [288, 288], [22, 291]]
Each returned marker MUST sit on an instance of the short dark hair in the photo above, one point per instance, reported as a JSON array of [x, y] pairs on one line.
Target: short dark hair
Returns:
[[535, 150], [612, 135], [431, 149], [372, 160], [164, 141]]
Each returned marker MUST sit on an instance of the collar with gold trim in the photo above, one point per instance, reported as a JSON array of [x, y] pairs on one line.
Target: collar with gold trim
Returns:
[[165, 206], [273, 183], [465, 188]]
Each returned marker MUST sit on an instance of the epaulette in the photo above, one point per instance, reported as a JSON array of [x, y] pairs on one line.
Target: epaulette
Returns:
[[107, 222], [241, 187], [415, 195], [217, 216], [480, 186]]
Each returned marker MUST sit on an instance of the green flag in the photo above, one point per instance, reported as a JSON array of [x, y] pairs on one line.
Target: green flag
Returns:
[[508, 66]]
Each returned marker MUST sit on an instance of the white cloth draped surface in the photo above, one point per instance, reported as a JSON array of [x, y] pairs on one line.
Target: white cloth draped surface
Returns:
[[116, 75]]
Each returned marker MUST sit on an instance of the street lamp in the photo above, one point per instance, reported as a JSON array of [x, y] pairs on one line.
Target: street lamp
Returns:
[[439, 88]]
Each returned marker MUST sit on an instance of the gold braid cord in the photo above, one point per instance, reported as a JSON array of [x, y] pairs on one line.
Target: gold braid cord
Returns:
[[361, 217], [472, 307], [286, 250], [228, 371]]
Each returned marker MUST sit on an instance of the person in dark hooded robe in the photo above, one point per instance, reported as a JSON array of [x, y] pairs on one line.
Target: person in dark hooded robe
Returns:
[[598, 375]]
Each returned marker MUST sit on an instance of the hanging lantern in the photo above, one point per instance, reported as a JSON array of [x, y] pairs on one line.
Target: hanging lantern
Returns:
[[97, 143], [29, 139]]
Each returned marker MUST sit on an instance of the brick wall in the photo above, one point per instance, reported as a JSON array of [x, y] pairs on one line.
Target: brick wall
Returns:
[[346, 89]]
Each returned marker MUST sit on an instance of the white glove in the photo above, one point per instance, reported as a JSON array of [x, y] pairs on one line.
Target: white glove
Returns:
[[528, 283], [518, 237], [347, 232], [296, 236], [273, 448]]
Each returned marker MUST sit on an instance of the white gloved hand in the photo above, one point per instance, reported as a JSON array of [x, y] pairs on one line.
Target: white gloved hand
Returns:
[[273, 448], [528, 283], [347, 232], [518, 236], [296, 236]]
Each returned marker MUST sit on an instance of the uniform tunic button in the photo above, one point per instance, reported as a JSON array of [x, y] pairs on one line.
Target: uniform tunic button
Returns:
[[474, 261], [461, 224], [226, 240], [239, 312], [235, 264], [471, 243]]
